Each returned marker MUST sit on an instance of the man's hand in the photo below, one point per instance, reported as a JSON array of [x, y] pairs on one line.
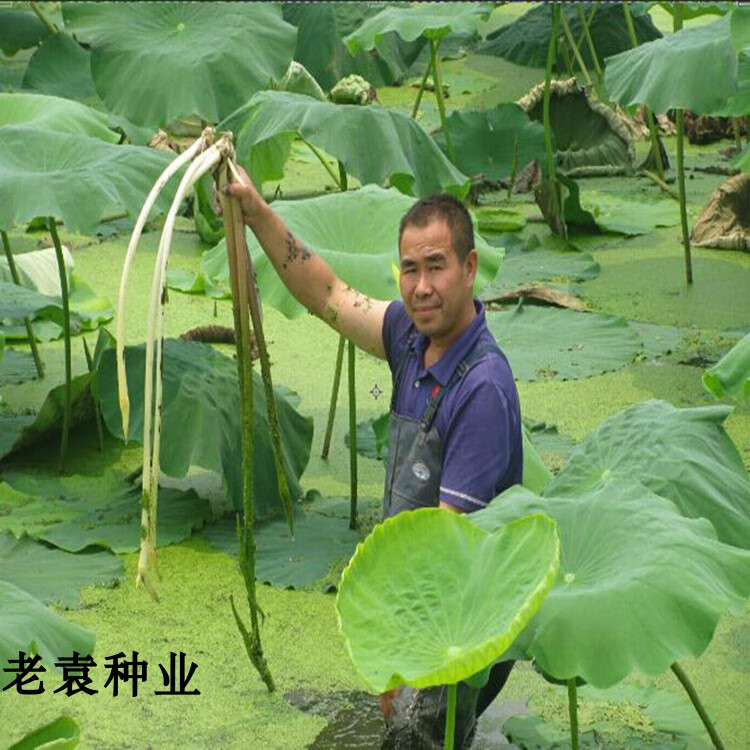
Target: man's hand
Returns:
[[252, 202]]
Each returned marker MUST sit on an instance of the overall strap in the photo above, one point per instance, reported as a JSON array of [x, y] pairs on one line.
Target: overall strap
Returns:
[[438, 392], [400, 367]]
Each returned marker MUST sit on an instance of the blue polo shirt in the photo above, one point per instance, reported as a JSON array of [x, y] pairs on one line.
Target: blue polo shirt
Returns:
[[479, 418]]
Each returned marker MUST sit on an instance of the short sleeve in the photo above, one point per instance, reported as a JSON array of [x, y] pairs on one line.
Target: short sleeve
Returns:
[[481, 446]]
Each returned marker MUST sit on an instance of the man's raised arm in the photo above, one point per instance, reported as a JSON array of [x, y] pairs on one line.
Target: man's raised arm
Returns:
[[308, 277]]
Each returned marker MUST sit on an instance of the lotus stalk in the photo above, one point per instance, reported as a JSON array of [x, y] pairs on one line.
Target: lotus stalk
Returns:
[[122, 381], [450, 717], [574, 48], [573, 712], [334, 398], [422, 85], [26, 321], [679, 672], [97, 409], [322, 160], [438, 79], [585, 23], [66, 334]]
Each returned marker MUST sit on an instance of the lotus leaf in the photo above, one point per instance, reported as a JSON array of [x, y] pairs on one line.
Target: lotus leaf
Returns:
[[498, 219], [658, 339], [77, 512], [544, 342], [201, 420], [455, 602], [28, 626], [590, 138], [18, 302], [20, 29], [320, 29], [406, 157], [38, 270], [739, 28], [61, 734], [51, 113], [355, 232], [682, 454], [61, 67], [730, 376], [189, 59], [486, 142], [72, 177], [640, 586], [16, 367], [695, 10], [526, 40], [629, 214], [695, 68], [432, 21], [299, 563], [52, 574], [372, 437]]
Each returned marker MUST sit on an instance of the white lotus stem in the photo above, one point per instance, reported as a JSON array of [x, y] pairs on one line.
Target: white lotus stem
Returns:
[[152, 406], [206, 138]]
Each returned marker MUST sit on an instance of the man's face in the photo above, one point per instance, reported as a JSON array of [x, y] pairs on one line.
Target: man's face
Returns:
[[435, 286]]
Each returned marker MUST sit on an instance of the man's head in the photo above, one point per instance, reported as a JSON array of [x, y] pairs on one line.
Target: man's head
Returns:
[[438, 267], [450, 210]]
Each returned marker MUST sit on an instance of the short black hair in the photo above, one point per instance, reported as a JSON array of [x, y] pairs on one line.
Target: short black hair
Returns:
[[448, 208]]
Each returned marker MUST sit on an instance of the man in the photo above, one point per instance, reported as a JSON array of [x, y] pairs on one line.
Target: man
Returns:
[[455, 439]]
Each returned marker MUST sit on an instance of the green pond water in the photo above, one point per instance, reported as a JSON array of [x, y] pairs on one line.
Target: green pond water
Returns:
[[320, 702]]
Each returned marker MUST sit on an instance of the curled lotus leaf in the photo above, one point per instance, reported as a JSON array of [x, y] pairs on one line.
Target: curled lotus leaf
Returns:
[[730, 376], [639, 587], [455, 601]]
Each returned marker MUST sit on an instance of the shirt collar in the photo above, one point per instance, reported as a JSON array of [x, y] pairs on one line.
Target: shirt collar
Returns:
[[444, 368]]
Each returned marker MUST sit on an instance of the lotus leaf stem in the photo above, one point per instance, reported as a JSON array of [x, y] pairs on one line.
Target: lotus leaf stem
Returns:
[[551, 54], [43, 17], [323, 162], [247, 274], [422, 85], [699, 707], [343, 179], [585, 23], [438, 79], [334, 398], [66, 334], [680, 123], [663, 185], [27, 320], [97, 410], [573, 712], [574, 48], [172, 168], [240, 283], [450, 717], [649, 114], [352, 439]]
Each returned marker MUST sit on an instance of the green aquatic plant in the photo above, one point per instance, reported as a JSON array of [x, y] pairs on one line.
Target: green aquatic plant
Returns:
[[454, 601]]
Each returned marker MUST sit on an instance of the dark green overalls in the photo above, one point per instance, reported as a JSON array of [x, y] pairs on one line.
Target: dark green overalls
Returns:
[[415, 459]]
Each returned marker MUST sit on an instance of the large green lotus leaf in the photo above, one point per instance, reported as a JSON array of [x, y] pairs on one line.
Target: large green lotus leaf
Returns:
[[201, 420], [527, 264], [299, 563], [640, 586], [20, 29], [526, 40], [17, 302], [545, 342], [320, 29], [28, 626], [431, 20], [51, 113], [73, 177], [356, 232], [682, 454], [629, 214], [455, 602], [76, 512], [189, 59], [406, 155], [38, 270], [730, 376], [739, 28], [61, 67], [61, 734], [51, 574], [695, 10], [695, 68], [485, 142]]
